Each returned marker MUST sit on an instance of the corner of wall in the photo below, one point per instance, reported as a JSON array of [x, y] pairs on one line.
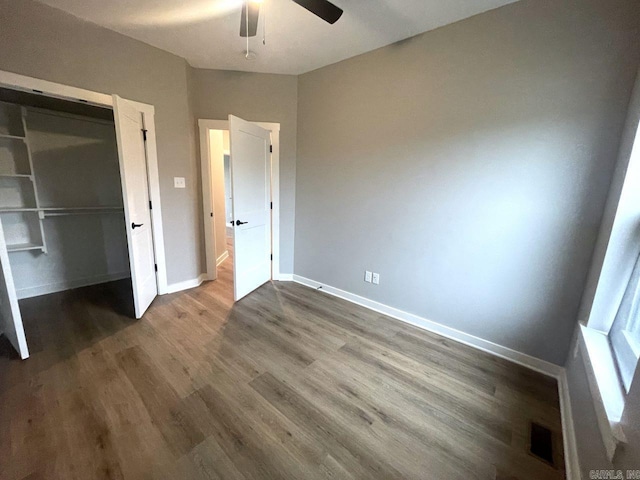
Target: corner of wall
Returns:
[[195, 153]]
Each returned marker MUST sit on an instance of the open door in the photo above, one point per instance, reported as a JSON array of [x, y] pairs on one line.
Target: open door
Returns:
[[251, 205], [10, 318], [130, 134]]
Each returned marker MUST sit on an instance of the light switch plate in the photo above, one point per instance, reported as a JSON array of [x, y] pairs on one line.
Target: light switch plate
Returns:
[[179, 182], [376, 279], [367, 276]]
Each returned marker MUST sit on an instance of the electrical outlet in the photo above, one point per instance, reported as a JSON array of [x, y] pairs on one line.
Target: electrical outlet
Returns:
[[179, 182], [367, 276], [376, 279]]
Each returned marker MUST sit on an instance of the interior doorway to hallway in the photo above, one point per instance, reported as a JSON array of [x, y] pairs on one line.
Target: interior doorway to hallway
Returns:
[[240, 178]]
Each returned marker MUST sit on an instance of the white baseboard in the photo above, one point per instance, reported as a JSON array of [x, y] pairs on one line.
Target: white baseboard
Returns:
[[520, 358], [69, 284], [284, 277], [222, 258], [572, 464], [187, 284]]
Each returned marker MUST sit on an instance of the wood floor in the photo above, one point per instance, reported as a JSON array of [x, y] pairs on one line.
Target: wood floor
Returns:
[[288, 383]]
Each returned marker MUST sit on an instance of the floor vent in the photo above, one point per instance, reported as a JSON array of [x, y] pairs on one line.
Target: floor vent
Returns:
[[541, 443]]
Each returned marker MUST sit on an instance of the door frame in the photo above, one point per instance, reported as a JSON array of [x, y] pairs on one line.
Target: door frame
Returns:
[[204, 125], [79, 95]]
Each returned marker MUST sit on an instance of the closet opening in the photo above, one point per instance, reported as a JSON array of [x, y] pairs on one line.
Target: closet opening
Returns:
[[62, 213]]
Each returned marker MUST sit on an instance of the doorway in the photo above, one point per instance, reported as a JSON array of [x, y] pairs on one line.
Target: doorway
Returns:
[[216, 150], [57, 202]]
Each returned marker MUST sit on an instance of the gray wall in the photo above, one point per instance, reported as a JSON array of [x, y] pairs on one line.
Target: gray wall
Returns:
[[43, 42], [469, 166], [591, 451], [257, 97]]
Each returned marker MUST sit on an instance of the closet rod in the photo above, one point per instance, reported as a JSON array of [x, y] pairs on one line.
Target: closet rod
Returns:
[[73, 209], [65, 214]]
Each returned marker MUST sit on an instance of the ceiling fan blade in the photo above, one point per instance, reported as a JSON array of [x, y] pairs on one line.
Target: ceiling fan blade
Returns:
[[322, 8], [254, 11]]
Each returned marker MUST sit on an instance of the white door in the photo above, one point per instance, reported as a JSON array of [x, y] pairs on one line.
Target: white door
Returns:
[[251, 205], [135, 192], [10, 318]]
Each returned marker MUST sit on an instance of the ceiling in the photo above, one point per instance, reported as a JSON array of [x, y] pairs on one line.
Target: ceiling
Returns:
[[206, 32]]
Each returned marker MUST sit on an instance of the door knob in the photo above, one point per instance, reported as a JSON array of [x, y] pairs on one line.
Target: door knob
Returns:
[[238, 222], [135, 225]]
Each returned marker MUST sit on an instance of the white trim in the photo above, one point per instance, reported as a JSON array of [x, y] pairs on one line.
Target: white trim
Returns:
[[275, 196], [222, 258], [36, 291], [213, 125], [204, 125], [284, 277], [606, 390], [207, 202], [520, 358], [51, 89], [9, 308], [187, 284], [153, 175], [570, 445]]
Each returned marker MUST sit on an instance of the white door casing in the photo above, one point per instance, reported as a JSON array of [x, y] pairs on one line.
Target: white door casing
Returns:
[[10, 317], [212, 153], [251, 185], [206, 128], [135, 191]]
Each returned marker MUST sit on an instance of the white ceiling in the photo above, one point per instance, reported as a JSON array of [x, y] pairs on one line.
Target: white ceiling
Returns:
[[206, 32]]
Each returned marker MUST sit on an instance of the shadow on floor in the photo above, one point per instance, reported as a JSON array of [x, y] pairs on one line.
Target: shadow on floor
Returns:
[[61, 324]]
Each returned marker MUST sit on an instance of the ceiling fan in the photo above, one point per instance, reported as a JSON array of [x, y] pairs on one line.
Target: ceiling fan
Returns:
[[324, 9]]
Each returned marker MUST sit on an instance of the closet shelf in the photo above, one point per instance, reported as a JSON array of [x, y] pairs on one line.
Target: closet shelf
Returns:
[[64, 211], [19, 209], [16, 175], [50, 211], [22, 247], [14, 137], [71, 209]]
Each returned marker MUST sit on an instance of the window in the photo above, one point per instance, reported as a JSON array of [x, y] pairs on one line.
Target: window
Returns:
[[610, 320], [625, 331], [612, 358]]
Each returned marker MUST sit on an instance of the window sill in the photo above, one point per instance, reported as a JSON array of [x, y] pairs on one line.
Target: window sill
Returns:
[[633, 345], [605, 385]]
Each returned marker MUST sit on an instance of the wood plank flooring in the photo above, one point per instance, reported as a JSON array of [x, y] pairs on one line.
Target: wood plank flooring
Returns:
[[288, 383]]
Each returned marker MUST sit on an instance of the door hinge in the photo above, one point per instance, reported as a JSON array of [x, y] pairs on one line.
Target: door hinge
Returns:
[[271, 148], [155, 265], [144, 134], [211, 214], [271, 205], [272, 257], [150, 205]]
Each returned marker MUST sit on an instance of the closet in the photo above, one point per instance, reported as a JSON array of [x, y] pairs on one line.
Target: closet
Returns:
[[61, 202]]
